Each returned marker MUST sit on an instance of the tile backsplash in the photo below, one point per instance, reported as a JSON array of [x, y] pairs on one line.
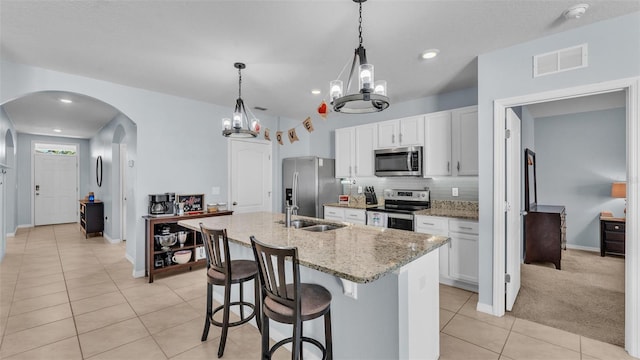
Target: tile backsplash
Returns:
[[440, 187]]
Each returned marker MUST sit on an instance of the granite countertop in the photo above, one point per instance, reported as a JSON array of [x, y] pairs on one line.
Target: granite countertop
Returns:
[[467, 210], [358, 253], [353, 206]]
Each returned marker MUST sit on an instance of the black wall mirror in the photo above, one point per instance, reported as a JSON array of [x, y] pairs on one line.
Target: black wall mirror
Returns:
[[530, 191], [99, 171]]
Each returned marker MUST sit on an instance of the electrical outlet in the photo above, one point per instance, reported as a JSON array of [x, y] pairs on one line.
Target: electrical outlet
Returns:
[[454, 191], [359, 189]]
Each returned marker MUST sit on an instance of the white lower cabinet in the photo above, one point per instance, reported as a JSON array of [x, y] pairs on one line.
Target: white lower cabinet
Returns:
[[354, 216], [459, 258]]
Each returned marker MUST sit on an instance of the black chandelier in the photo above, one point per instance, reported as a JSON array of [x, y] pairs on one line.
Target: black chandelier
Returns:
[[238, 125], [372, 96]]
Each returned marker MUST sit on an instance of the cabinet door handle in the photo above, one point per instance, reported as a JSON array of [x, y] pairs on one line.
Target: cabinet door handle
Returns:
[[448, 166], [393, 138], [458, 165], [426, 223], [400, 137], [465, 227]]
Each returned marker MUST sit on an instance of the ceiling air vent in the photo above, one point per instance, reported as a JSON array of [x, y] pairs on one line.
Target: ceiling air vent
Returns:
[[560, 60]]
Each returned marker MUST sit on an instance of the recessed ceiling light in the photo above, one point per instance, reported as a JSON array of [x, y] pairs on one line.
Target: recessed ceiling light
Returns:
[[316, 92], [57, 130], [429, 54], [576, 11], [66, 101]]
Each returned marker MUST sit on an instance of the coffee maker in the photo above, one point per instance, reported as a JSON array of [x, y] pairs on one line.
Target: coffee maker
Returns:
[[162, 204]]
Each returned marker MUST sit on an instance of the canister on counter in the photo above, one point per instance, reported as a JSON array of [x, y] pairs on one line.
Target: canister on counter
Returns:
[[211, 208], [222, 206]]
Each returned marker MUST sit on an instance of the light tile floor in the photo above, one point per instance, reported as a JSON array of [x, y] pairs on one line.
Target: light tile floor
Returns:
[[66, 297]]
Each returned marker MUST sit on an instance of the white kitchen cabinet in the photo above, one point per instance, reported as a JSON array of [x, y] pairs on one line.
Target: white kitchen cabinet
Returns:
[[354, 151], [345, 152], [464, 152], [401, 132], [354, 216], [463, 254], [459, 258], [451, 143], [436, 153]]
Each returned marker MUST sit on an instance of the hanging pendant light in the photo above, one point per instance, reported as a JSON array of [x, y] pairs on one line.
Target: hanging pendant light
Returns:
[[372, 96], [239, 125]]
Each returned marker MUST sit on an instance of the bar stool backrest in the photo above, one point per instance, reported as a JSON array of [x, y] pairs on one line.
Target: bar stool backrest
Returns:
[[216, 247], [278, 267]]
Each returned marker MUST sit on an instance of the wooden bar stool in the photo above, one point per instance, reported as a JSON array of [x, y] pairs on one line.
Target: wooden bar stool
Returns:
[[223, 271], [286, 300]]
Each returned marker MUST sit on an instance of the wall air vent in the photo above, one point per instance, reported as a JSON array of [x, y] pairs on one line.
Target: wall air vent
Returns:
[[571, 58]]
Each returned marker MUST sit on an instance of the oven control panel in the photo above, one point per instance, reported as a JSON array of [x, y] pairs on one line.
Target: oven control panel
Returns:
[[412, 195]]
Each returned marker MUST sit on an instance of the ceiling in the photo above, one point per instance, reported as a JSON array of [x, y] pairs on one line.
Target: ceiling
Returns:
[[187, 48]]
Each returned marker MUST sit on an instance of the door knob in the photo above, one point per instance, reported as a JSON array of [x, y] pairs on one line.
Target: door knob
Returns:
[[235, 203]]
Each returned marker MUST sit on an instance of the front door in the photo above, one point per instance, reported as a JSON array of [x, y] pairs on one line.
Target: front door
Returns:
[[56, 189], [514, 218], [250, 182]]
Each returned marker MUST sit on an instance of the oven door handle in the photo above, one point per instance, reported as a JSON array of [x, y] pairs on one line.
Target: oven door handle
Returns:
[[400, 216]]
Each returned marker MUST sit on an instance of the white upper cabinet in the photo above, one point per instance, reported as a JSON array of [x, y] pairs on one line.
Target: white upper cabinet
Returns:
[[401, 132], [365, 137], [437, 144], [465, 140], [451, 143], [354, 151], [345, 152]]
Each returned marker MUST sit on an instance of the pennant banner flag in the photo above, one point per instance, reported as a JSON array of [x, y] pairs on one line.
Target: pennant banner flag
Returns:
[[323, 110], [293, 137], [266, 134], [279, 137], [308, 124]]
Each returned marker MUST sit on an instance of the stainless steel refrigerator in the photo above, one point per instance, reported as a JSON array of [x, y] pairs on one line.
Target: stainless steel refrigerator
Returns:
[[309, 182]]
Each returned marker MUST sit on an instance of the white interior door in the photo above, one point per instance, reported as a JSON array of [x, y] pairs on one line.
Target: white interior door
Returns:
[[250, 183], [56, 189], [514, 216]]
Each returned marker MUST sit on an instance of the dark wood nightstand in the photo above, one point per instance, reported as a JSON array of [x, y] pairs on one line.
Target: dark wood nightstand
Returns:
[[612, 235]]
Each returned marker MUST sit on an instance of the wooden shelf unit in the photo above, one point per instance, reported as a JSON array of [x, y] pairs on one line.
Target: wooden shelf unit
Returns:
[[154, 225], [91, 217]]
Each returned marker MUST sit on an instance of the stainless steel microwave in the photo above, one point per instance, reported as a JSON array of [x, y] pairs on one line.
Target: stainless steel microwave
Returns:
[[403, 161]]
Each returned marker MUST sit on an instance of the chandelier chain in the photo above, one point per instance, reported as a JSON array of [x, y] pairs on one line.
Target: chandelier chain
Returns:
[[239, 83], [360, 25]]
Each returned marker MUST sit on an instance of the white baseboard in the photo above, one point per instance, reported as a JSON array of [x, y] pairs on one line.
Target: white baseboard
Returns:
[[585, 248], [484, 308], [25, 226], [109, 239]]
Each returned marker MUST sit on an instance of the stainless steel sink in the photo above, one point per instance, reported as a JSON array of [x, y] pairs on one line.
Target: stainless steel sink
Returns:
[[322, 227], [311, 225]]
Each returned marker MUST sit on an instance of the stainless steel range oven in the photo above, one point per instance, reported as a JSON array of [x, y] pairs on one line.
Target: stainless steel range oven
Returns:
[[399, 208]]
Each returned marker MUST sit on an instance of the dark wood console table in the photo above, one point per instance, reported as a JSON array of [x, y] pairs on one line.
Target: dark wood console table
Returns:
[[545, 234], [156, 258], [612, 235]]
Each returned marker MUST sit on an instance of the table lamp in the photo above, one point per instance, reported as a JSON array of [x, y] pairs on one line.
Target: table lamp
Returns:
[[619, 190]]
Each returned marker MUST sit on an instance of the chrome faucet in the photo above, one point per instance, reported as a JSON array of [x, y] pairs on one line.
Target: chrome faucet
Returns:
[[289, 211]]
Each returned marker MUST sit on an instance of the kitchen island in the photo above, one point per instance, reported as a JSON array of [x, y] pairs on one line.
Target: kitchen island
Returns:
[[384, 282]]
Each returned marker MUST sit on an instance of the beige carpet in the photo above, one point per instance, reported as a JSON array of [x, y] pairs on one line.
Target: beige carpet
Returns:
[[586, 297]]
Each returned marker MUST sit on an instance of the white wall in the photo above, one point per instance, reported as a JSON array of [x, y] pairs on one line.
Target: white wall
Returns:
[[8, 140], [578, 156], [505, 73]]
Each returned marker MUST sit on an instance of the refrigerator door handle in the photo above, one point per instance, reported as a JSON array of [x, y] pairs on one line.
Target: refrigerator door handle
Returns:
[[295, 192]]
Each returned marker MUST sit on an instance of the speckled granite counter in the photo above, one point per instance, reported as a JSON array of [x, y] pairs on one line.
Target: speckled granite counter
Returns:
[[456, 209], [387, 308], [355, 252]]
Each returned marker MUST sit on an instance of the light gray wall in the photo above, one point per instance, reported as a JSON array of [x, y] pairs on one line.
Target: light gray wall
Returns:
[[25, 166], [8, 141], [106, 143], [507, 73], [578, 156]]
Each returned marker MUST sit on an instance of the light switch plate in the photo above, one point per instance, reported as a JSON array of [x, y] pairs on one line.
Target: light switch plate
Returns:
[[454, 191]]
